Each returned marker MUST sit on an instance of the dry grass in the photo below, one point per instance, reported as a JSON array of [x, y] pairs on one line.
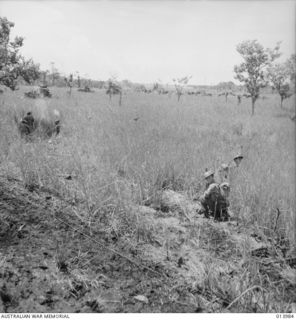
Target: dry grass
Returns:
[[115, 162]]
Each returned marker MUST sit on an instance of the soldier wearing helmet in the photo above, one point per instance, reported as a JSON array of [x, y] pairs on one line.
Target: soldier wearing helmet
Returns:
[[209, 177], [27, 124], [223, 172], [215, 201], [238, 159]]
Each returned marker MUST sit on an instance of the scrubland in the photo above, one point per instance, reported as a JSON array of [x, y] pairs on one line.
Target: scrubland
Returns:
[[111, 160]]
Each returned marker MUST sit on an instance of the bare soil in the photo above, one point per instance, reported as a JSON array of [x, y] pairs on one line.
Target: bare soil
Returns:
[[50, 261]]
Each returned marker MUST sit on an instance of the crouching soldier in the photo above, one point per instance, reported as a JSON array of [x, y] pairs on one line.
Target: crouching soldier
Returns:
[[27, 124], [215, 201], [209, 178], [223, 172], [57, 124], [57, 121]]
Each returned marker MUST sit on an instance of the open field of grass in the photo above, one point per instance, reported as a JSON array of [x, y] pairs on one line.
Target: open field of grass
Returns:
[[110, 158]]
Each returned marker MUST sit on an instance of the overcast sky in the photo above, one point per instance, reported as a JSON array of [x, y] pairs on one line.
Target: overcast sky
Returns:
[[149, 40]]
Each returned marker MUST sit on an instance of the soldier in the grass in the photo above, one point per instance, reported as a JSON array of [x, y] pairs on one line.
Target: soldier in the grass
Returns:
[[239, 99], [209, 178], [27, 124], [215, 201], [238, 159], [223, 172], [57, 126]]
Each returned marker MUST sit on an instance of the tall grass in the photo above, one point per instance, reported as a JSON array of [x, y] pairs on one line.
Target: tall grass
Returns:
[[116, 161]]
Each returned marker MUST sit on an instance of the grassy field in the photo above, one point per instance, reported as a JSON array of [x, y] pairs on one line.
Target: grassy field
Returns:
[[109, 158]]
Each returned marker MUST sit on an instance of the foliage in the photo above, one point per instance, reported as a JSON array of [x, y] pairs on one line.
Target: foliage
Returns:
[[103, 164], [251, 72], [180, 83], [278, 76], [12, 64], [291, 66], [229, 86]]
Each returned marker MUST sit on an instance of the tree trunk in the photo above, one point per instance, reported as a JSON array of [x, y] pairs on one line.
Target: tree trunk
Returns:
[[282, 99], [253, 105], [120, 96], [179, 96]]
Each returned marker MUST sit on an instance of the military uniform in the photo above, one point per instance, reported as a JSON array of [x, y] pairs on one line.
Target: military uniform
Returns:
[[215, 203], [209, 178], [223, 173], [28, 123]]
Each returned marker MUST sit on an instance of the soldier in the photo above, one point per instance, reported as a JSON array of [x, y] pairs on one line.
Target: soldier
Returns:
[[57, 121], [238, 159], [57, 126], [223, 172], [209, 177], [215, 201], [239, 99], [27, 124]]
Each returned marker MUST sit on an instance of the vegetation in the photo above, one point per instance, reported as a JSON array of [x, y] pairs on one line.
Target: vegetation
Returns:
[[180, 84], [99, 208], [12, 64], [251, 72], [95, 176], [279, 75], [291, 66]]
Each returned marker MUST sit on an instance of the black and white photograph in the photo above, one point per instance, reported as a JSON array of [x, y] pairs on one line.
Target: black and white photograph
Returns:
[[147, 157]]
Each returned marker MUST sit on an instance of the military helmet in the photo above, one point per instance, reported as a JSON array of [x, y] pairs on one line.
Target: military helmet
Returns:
[[238, 156], [224, 166], [225, 186], [208, 173]]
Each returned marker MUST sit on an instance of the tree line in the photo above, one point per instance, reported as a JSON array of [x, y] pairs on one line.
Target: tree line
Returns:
[[257, 71]]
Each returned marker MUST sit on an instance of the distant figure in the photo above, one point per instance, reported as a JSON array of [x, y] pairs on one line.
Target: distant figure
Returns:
[[209, 177], [215, 201], [238, 159], [57, 121], [239, 99], [27, 124], [233, 167], [223, 172], [57, 126]]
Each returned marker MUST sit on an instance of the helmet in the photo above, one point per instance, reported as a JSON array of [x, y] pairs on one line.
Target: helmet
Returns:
[[224, 166], [238, 156], [225, 186], [208, 173]]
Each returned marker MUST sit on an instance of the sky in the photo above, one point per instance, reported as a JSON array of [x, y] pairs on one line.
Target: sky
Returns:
[[148, 41]]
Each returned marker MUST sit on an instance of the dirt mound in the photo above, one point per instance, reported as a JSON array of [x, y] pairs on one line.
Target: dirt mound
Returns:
[[53, 261]]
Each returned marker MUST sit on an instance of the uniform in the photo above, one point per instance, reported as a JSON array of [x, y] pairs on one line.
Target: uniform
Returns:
[[223, 173], [27, 124], [215, 201], [209, 178]]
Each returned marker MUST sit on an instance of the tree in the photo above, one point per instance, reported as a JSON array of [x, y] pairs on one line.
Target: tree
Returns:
[[180, 84], [69, 83], [252, 72], [12, 64], [279, 75], [291, 66], [113, 88]]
